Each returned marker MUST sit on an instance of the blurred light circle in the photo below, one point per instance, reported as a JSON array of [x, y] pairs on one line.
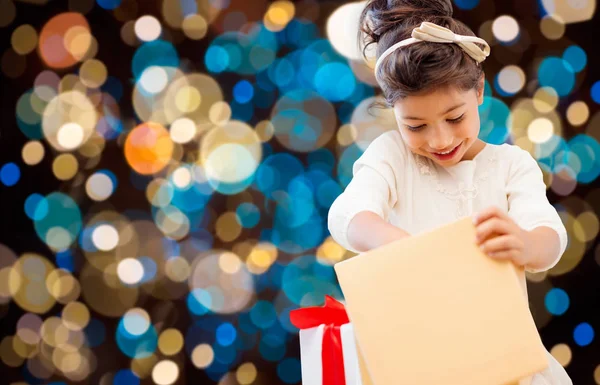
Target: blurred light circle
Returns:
[[173, 222], [556, 73], [10, 174], [220, 113], [466, 4], [136, 321], [65, 166], [165, 372], [100, 185], [202, 356], [33, 152], [69, 120], [341, 29], [135, 336], [227, 293], [552, 27], [64, 39], [562, 353], [278, 15], [216, 59], [511, 79], [505, 28], [578, 113], [335, 81], [28, 328], [557, 301], [154, 79], [158, 53], [243, 91], [231, 154], [63, 215], [148, 148], [177, 269], [183, 130], [303, 120], [76, 316], [545, 99], [576, 57], [194, 26], [24, 39], [125, 377], [246, 373], [583, 334], [540, 130], [170, 342], [27, 283], [226, 334], [109, 4], [182, 177], [105, 237], [36, 206], [93, 73], [595, 92], [147, 28], [130, 271]]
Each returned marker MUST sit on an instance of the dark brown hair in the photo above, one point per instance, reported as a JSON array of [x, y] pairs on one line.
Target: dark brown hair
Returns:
[[424, 66]]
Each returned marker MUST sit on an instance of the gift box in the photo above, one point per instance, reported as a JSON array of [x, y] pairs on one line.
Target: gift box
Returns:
[[328, 350], [444, 312]]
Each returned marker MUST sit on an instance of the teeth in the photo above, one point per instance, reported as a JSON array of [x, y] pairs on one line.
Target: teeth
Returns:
[[445, 153]]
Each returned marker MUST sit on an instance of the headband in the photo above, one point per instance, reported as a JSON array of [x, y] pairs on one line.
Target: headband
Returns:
[[437, 34]]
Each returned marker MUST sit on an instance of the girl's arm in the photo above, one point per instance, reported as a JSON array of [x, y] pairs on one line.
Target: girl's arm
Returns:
[[374, 188], [368, 231]]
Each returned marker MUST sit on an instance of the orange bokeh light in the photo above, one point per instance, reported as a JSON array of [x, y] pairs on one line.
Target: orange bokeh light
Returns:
[[54, 49], [148, 148]]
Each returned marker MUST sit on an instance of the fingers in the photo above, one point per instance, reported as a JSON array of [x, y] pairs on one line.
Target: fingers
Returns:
[[489, 227], [505, 255], [501, 244]]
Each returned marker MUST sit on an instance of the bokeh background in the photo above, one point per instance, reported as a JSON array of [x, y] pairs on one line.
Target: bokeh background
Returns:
[[166, 169]]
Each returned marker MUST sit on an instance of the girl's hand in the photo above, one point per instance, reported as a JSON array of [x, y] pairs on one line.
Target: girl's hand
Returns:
[[500, 237]]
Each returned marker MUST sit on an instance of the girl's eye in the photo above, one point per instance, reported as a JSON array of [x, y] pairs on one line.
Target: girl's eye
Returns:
[[453, 121], [415, 128], [457, 120]]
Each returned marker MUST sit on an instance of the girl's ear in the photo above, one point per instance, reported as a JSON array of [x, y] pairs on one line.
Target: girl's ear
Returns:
[[480, 89]]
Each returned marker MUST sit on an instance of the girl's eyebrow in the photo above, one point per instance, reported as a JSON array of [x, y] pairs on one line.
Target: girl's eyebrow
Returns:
[[443, 113]]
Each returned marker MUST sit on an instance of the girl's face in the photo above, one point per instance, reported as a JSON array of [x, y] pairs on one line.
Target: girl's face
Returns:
[[442, 125]]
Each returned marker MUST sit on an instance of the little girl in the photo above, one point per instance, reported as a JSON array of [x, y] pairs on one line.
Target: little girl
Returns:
[[434, 169]]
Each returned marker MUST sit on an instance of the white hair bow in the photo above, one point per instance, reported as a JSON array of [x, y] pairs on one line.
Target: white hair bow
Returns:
[[438, 34]]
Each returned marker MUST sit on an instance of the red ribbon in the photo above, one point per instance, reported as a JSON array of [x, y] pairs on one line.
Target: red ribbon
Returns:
[[333, 315]]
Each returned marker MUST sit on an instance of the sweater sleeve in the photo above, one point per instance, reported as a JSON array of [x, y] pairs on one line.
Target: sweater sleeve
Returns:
[[528, 204], [373, 187]]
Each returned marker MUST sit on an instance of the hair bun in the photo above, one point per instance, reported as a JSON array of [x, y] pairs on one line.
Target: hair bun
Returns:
[[385, 15]]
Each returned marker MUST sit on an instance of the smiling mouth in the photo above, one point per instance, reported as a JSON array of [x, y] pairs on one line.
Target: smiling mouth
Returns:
[[447, 155]]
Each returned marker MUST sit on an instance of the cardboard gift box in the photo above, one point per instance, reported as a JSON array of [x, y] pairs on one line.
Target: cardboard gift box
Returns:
[[328, 352], [434, 309]]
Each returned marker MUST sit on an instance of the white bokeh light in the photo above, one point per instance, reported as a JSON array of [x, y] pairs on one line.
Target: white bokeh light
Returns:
[[136, 321], [183, 130], [147, 28], [70, 136], [105, 237], [99, 186], [505, 28], [130, 271], [154, 79], [342, 29]]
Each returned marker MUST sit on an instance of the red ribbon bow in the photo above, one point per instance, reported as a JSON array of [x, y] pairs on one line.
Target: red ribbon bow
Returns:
[[333, 315]]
